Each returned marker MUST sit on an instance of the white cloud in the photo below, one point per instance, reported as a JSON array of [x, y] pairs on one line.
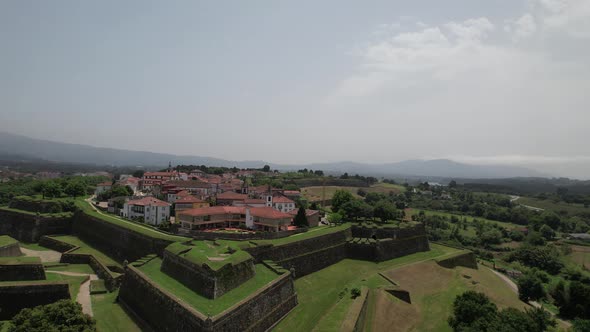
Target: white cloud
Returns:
[[571, 16], [524, 27], [472, 29]]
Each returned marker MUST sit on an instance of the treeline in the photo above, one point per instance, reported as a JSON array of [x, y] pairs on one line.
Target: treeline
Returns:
[[71, 186]]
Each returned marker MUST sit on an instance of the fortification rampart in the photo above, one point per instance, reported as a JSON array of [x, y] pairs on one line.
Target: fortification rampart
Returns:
[[10, 250], [165, 312], [23, 271], [123, 244], [464, 258], [315, 260], [204, 280], [377, 232], [29, 227], [200, 235], [14, 297]]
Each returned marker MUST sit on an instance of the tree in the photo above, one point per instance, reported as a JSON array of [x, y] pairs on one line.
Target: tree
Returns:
[[300, 218], [530, 287], [334, 218], [384, 210], [52, 189], [472, 311], [547, 232], [266, 168], [75, 189], [545, 258], [63, 315], [453, 184], [340, 198]]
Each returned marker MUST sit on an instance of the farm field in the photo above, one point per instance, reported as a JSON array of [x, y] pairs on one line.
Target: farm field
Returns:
[[315, 193], [580, 256], [559, 207], [318, 293]]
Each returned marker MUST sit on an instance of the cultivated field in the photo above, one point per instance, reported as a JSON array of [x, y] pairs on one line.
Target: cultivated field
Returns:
[[559, 207], [315, 193]]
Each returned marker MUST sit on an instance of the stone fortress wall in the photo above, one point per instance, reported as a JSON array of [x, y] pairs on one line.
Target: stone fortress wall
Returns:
[[30, 227], [202, 279], [14, 297]]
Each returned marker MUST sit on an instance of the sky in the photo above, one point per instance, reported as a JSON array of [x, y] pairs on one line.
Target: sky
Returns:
[[478, 81]]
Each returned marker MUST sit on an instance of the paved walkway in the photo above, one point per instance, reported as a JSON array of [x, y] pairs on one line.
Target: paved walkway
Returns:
[[47, 256], [84, 294]]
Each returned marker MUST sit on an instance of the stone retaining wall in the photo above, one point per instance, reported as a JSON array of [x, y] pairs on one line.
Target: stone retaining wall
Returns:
[[315, 260], [13, 298], [21, 272], [200, 235], [202, 279], [165, 312], [30, 227], [11, 250], [387, 232], [57, 245], [122, 244], [112, 281]]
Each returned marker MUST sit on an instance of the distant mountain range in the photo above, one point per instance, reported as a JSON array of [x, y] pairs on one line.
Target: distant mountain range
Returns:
[[17, 146]]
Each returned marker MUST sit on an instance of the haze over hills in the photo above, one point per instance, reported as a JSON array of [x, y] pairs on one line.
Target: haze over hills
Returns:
[[14, 146]]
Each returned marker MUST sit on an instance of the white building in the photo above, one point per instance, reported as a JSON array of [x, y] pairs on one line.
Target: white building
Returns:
[[280, 203], [152, 210]]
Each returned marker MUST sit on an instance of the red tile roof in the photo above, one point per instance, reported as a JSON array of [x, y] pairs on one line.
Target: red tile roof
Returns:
[[189, 199], [254, 201], [268, 213], [214, 210], [292, 192], [105, 184], [230, 195], [281, 199], [148, 201]]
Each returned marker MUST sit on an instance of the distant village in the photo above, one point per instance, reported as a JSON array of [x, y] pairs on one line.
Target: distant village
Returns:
[[197, 201]]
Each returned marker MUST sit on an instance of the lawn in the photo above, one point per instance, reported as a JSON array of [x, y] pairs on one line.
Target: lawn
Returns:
[[318, 293], [76, 268], [204, 305], [557, 207], [6, 240], [19, 260], [311, 233], [110, 315], [316, 193], [33, 246], [85, 206], [215, 254], [86, 249], [73, 281]]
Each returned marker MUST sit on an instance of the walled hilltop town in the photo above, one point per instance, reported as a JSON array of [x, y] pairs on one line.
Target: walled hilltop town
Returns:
[[213, 249]]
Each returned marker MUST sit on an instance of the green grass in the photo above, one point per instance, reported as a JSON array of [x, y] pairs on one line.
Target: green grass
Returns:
[[19, 260], [469, 218], [6, 240], [202, 304], [97, 286], [33, 246], [318, 292], [110, 315], [77, 268], [73, 281], [317, 192], [311, 233], [86, 249], [557, 207], [200, 252], [89, 210]]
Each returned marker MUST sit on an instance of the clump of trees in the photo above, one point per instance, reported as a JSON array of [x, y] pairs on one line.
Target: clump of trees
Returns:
[[63, 315], [473, 311], [115, 191], [373, 206]]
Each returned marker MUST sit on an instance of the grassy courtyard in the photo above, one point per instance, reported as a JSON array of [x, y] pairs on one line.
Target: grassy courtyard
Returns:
[[318, 293], [215, 254], [208, 306]]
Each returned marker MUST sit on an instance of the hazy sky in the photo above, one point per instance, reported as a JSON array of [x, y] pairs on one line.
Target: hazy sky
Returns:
[[502, 81]]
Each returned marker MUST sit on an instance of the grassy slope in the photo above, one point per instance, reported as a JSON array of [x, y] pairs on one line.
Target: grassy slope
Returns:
[[77, 268], [315, 193], [311, 233], [33, 246], [6, 240], [110, 316], [19, 260], [572, 209], [86, 249], [203, 304], [318, 292]]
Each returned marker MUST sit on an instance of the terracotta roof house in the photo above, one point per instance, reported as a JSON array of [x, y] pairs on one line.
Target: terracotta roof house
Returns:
[[261, 218], [229, 197], [152, 210]]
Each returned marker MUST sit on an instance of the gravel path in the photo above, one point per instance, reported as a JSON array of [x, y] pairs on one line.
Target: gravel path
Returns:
[[47, 256], [84, 294]]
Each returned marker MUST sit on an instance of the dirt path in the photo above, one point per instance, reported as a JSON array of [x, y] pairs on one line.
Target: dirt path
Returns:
[[84, 294], [47, 256]]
